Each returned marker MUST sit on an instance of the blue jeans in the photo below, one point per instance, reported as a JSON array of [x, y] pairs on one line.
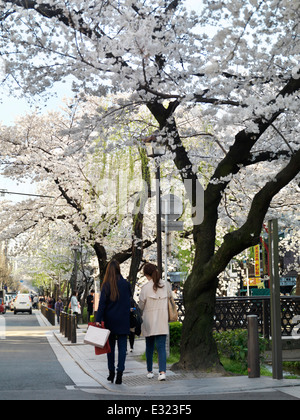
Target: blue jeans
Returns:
[[160, 341], [122, 348]]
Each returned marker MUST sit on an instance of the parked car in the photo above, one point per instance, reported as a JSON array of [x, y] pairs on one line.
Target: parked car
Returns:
[[22, 303], [2, 306]]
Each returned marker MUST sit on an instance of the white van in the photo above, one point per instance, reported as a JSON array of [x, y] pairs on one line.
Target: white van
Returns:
[[22, 303]]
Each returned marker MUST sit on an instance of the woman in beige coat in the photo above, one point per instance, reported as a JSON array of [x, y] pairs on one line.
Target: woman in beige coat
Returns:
[[155, 328]]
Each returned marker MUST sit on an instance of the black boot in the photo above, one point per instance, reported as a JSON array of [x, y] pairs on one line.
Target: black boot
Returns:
[[111, 376], [119, 378]]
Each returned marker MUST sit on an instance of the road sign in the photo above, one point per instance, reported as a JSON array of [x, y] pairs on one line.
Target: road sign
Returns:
[[171, 209], [171, 205], [172, 225]]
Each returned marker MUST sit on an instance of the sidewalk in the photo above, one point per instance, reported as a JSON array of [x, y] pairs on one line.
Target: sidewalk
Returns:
[[136, 383]]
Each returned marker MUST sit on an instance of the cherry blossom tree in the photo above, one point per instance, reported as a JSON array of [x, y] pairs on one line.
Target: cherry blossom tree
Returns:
[[87, 188], [238, 60]]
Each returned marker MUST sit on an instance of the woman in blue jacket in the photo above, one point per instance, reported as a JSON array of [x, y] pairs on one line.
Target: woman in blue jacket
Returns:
[[114, 311]]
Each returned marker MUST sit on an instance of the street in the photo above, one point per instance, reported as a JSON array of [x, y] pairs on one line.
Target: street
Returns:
[[29, 368]]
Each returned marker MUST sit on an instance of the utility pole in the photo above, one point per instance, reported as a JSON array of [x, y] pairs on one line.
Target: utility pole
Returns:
[[275, 300]]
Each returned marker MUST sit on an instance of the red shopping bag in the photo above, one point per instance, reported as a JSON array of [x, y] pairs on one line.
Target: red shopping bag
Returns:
[[106, 348]]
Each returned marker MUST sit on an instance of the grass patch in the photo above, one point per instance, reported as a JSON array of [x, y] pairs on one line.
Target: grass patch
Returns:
[[234, 367], [237, 368]]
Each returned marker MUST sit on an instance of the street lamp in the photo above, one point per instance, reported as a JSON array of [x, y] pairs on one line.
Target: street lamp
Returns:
[[154, 149], [75, 248]]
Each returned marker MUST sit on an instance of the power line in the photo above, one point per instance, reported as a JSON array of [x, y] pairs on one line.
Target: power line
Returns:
[[2, 192]]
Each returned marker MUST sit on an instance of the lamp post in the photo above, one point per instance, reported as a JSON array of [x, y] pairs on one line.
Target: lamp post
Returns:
[[75, 248], [154, 150], [172, 209]]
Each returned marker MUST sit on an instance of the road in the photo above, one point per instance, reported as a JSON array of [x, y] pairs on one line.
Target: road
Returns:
[[29, 368]]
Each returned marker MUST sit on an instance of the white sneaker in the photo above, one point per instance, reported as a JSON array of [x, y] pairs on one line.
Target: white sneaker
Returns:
[[150, 375], [162, 377]]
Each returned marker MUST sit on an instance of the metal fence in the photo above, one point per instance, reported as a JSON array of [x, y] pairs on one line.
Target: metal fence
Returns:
[[67, 326], [231, 313], [48, 313]]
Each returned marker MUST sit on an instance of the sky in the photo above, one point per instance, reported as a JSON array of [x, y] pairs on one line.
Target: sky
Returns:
[[12, 107]]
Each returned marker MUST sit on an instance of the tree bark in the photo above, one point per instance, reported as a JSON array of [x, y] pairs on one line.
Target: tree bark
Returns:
[[102, 258], [298, 285], [198, 348]]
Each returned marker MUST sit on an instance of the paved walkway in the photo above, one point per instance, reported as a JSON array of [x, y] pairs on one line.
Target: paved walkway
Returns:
[[136, 383]]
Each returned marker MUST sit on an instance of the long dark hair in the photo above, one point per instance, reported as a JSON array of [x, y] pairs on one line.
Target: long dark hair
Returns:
[[152, 271], [111, 277]]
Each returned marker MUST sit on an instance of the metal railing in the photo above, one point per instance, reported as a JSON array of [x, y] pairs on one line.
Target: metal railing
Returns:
[[231, 313], [48, 313]]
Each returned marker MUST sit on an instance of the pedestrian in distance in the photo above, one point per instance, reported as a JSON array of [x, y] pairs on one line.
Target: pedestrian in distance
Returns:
[[90, 305], [114, 311], [74, 306], [58, 308], [35, 302], [155, 327], [50, 302]]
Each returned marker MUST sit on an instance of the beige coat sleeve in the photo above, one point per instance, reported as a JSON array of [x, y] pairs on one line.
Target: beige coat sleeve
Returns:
[[142, 299]]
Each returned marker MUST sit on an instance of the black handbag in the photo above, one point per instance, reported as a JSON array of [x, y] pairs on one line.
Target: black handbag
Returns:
[[136, 319]]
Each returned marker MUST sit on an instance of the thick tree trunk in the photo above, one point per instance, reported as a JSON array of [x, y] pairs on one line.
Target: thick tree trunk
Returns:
[[198, 348]]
